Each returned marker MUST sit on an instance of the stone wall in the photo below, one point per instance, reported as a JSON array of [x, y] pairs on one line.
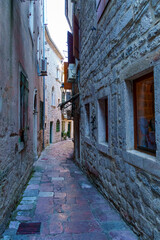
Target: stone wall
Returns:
[[122, 46], [18, 52]]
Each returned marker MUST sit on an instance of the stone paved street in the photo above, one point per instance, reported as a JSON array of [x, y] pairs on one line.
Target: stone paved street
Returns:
[[67, 205]]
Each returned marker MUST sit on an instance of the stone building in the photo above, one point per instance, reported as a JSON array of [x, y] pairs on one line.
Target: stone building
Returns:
[[67, 120], [20, 98], [119, 105], [53, 93]]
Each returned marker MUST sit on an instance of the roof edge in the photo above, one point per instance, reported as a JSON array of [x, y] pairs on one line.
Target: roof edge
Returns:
[[55, 48]]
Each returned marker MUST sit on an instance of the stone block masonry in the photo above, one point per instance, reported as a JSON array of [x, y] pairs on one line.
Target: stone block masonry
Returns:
[[19, 81], [65, 203], [124, 46]]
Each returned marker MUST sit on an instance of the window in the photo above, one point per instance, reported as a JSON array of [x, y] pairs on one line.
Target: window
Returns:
[[31, 17], [144, 114], [103, 120], [63, 126], [23, 107], [75, 37], [58, 126], [41, 115], [53, 102], [68, 96], [69, 130], [87, 120], [100, 7], [58, 74], [63, 97]]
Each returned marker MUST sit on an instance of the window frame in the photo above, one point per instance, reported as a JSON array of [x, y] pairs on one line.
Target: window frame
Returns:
[[139, 148], [24, 98], [87, 119], [53, 98], [103, 120], [57, 126], [68, 96], [104, 146], [41, 115], [58, 73], [146, 162], [63, 97]]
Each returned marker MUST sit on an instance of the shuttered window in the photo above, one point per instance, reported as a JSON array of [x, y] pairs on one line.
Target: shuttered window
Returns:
[[66, 84], [75, 37], [68, 96], [41, 115], [71, 58], [23, 107], [58, 126], [100, 7]]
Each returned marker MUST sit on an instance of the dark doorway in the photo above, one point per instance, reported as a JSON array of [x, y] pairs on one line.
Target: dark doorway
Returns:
[[69, 129], [51, 132]]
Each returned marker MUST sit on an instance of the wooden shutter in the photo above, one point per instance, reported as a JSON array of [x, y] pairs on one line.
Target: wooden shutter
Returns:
[[71, 58], [41, 115], [66, 84], [75, 37]]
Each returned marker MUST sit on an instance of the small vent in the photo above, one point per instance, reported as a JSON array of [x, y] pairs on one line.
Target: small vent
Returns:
[[29, 228]]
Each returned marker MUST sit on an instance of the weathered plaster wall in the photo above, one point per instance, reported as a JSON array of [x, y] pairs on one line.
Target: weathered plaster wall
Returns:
[[124, 45], [66, 126], [17, 51], [53, 113]]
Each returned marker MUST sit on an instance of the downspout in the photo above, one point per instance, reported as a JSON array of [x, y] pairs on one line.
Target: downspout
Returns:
[[43, 76]]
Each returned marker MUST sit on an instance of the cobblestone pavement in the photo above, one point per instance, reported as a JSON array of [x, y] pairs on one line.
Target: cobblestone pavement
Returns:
[[67, 205]]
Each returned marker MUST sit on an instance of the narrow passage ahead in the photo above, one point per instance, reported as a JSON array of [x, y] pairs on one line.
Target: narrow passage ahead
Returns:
[[60, 203]]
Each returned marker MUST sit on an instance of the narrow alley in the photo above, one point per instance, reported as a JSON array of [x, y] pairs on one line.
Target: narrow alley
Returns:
[[64, 204]]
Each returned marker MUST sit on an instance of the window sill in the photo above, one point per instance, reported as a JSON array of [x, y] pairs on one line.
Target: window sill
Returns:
[[103, 147], [53, 106], [143, 161], [87, 140]]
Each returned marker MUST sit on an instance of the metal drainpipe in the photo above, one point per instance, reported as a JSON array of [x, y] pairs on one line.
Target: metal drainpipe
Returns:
[[43, 76]]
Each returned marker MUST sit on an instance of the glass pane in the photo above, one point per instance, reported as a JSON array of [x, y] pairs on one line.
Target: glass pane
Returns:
[[145, 114]]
